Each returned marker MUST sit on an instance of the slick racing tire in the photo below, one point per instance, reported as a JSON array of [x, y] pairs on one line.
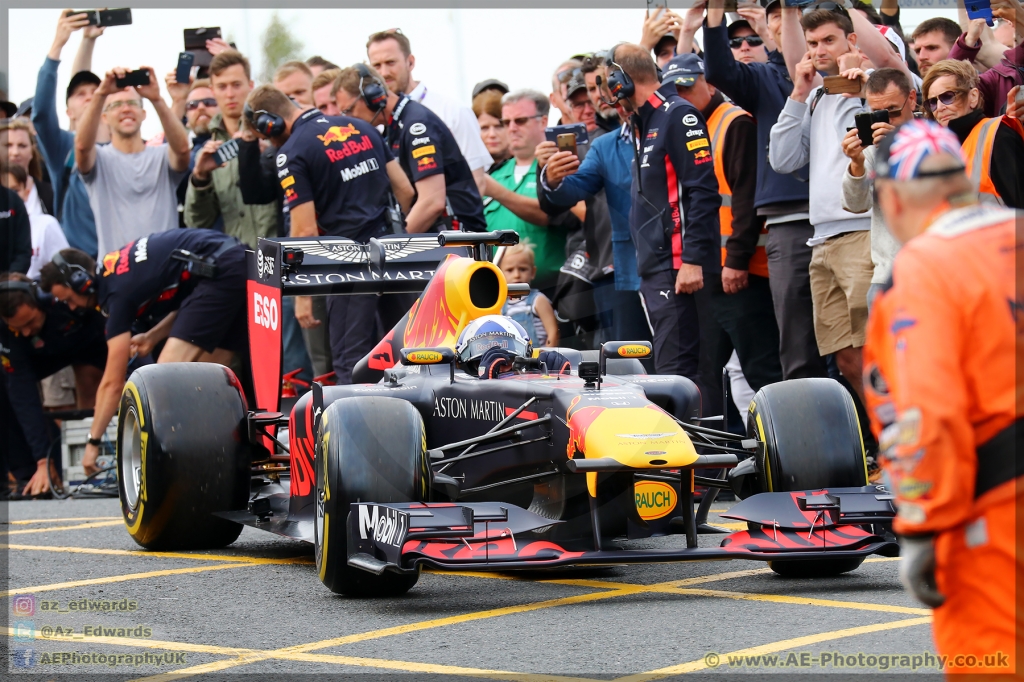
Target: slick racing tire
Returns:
[[812, 440], [369, 449], [182, 455]]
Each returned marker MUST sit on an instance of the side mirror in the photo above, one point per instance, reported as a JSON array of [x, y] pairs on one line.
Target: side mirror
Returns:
[[518, 290], [427, 356], [623, 349], [377, 255]]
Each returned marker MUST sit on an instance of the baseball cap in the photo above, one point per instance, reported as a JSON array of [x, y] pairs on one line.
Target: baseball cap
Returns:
[[576, 83], [893, 37], [9, 108], [683, 70], [738, 24], [25, 108], [901, 152], [490, 84], [770, 5], [81, 78]]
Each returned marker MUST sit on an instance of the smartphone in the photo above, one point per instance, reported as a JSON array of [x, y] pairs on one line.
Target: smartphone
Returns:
[[653, 5], [979, 9], [567, 143], [107, 17], [798, 3], [837, 85], [195, 42], [132, 78], [731, 5], [226, 152], [184, 68], [579, 130]]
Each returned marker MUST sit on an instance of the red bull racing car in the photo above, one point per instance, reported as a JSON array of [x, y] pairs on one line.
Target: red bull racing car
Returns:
[[423, 464]]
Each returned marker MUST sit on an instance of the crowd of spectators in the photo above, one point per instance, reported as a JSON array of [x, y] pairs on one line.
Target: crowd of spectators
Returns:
[[718, 204]]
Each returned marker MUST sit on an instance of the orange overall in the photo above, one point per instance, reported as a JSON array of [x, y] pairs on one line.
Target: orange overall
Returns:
[[940, 378]]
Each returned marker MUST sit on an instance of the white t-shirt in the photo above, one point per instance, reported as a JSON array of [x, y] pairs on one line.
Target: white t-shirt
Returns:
[[34, 205], [519, 172], [47, 239], [132, 195], [460, 120]]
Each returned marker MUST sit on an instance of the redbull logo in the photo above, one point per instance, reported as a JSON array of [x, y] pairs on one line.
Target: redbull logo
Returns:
[[703, 156], [337, 134], [580, 420], [654, 499], [350, 148], [109, 261]]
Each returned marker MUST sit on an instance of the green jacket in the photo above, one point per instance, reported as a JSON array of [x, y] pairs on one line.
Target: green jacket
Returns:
[[246, 222], [548, 241]]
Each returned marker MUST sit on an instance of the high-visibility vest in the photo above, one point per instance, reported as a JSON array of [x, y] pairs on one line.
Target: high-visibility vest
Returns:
[[718, 124], [977, 150]]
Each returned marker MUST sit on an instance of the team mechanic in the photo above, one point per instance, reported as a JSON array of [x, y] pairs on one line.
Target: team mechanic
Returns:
[[193, 281], [674, 216], [939, 370], [40, 336], [337, 174], [446, 193]]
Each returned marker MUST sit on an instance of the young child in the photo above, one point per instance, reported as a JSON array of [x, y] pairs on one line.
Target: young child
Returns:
[[534, 312]]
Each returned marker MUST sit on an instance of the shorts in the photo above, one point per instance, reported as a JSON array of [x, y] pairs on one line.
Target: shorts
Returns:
[[841, 271], [214, 314]]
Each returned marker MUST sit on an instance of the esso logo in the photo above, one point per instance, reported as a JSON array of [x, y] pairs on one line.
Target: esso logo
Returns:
[[265, 311]]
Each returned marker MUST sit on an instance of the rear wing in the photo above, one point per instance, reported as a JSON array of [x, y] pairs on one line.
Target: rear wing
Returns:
[[321, 266]]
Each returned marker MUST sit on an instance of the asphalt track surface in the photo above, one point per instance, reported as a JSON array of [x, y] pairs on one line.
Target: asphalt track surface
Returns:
[[256, 608]]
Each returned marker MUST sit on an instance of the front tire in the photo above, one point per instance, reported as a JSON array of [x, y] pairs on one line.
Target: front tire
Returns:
[[182, 455], [812, 441], [369, 449]]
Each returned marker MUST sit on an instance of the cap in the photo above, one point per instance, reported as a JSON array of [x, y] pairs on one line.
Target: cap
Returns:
[[769, 5], [81, 78], [25, 108], [683, 70], [901, 152], [668, 37], [893, 37], [490, 84], [9, 108], [738, 24], [576, 83]]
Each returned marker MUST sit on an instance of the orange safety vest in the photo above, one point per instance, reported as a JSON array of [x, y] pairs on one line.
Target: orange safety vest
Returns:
[[718, 124], [977, 150]]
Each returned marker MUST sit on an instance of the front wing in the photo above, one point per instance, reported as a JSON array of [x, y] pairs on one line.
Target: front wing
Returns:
[[497, 536]]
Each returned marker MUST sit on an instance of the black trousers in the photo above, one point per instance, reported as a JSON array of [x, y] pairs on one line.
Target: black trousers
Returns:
[[748, 320], [357, 323], [789, 259], [673, 318]]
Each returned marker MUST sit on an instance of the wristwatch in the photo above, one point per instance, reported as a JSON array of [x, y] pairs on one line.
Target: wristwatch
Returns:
[[94, 441]]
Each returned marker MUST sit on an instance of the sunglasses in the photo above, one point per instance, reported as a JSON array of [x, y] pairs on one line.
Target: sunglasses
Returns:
[[947, 98], [521, 121], [753, 41], [114, 106], [194, 104]]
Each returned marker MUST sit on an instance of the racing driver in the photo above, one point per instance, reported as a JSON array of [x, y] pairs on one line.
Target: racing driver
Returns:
[[939, 376], [490, 345], [192, 281]]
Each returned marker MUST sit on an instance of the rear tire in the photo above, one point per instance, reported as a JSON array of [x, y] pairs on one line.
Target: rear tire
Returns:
[[182, 455], [812, 440], [369, 449]]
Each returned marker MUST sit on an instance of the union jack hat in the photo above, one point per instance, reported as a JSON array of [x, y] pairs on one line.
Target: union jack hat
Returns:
[[902, 151]]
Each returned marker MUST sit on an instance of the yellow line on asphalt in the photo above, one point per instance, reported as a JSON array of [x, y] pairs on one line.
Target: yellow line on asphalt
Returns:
[[772, 647], [135, 642], [92, 524], [804, 601], [164, 555], [121, 578], [74, 518]]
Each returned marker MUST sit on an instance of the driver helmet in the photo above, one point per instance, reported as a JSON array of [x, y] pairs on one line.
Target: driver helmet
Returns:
[[492, 331]]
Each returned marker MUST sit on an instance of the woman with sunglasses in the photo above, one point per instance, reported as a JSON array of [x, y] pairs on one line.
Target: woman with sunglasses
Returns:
[[993, 147]]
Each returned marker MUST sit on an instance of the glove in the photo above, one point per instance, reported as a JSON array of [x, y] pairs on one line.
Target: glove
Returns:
[[495, 361], [917, 569], [555, 362]]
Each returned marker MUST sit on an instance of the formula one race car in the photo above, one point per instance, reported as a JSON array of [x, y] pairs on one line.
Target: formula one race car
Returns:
[[427, 465]]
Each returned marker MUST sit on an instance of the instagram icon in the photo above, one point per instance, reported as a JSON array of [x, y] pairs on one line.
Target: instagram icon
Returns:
[[24, 605]]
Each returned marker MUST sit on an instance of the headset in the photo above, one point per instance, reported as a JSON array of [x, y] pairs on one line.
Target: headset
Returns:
[[76, 277], [266, 123], [620, 85], [374, 93]]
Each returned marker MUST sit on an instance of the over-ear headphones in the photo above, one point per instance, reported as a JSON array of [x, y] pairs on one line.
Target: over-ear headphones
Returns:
[[264, 122], [76, 277], [373, 93], [620, 85], [29, 288]]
